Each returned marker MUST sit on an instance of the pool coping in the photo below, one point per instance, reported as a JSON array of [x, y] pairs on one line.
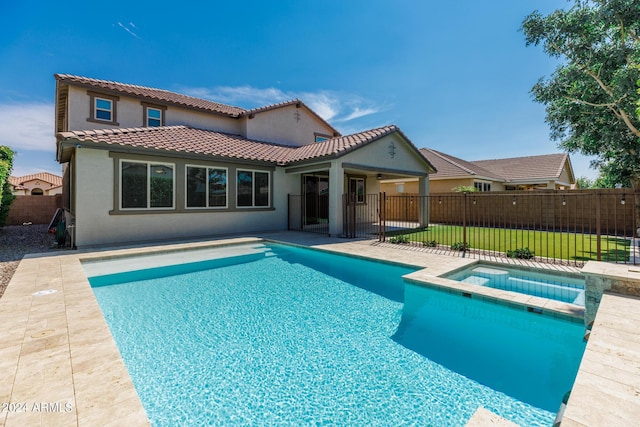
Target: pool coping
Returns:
[[58, 358]]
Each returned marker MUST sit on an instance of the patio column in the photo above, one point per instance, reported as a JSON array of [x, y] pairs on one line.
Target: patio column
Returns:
[[423, 207], [336, 188]]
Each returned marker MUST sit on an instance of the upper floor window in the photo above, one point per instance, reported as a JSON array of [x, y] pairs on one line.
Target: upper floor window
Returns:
[[103, 108], [319, 137], [206, 187], [253, 188], [153, 115], [146, 185]]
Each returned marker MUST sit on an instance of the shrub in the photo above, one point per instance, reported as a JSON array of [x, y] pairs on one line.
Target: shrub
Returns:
[[459, 246], [399, 239], [523, 253], [6, 197], [430, 243]]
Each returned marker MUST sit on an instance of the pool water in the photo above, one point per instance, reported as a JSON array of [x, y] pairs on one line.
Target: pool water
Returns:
[[552, 286], [290, 336]]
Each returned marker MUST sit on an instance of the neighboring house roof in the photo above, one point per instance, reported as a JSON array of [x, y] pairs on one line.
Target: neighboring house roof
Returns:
[[188, 140], [529, 168], [516, 169], [19, 181], [450, 167], [167, 97]]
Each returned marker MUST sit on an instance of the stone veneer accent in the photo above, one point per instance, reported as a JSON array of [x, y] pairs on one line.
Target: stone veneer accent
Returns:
[[601, 277]]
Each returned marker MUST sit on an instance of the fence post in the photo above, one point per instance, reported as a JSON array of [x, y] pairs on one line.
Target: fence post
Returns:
[[464, 223], [288, 211], [382, 197], [598, 227]]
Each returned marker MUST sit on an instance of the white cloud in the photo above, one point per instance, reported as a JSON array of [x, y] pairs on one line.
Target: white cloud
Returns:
[[27, 126], [330, 105], [327, 105], [359, 112]]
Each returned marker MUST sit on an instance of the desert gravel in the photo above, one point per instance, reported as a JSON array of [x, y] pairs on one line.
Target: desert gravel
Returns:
[[18, 240]]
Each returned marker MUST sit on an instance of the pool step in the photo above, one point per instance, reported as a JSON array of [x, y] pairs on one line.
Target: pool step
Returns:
[[492, 271], [532, 287]]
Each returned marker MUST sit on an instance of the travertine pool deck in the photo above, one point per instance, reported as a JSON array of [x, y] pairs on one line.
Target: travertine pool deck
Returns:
[[59, 364]]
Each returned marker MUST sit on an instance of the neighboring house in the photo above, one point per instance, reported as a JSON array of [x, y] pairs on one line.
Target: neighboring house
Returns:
[[39, 184], [149, 164], [551, 171]]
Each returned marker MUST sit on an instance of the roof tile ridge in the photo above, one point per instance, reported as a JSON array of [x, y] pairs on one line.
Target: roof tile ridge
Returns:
[[449, 160], [92, 80], [271, 106]]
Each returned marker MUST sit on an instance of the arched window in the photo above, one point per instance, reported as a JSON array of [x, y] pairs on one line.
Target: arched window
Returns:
[[37, 192]]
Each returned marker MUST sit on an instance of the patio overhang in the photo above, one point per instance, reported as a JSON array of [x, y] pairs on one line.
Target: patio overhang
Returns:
[[382, 173]]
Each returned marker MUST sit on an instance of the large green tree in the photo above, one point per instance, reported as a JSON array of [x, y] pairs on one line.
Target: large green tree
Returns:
[[592, 96]]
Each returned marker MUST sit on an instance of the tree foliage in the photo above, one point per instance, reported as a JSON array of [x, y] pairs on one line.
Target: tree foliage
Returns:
[[584, 182], [464, 189], [6, 196], [592, 97]]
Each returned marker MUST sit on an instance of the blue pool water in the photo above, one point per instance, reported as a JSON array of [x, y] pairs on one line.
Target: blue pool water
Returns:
[[288, 336], [553, 286]]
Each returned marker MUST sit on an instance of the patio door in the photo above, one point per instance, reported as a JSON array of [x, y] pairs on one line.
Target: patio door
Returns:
[[315, 209]]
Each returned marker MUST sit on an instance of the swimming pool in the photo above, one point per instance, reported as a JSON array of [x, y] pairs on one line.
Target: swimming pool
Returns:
[[289, 336], [554, 286]]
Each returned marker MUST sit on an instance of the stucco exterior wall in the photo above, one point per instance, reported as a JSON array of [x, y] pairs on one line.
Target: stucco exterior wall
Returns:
[[197, 119], [96, 224], [287, 125], [130, 114], [564, 177], [390, 152]]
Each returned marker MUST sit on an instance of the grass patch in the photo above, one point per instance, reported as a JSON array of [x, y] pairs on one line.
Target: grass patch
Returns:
[[562, 245]]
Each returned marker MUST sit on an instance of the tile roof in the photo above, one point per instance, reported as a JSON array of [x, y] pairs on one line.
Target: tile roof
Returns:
[[54, 180], [184, 139], [544, 167], [453, 167], [547, 166], [342, 144], [165, 96], [159, 95]]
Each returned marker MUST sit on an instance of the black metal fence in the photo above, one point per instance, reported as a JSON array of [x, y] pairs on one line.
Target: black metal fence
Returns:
[[309, 213], [566, 227]]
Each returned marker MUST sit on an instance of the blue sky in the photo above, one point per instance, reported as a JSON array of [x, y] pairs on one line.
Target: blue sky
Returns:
[[455, 79]]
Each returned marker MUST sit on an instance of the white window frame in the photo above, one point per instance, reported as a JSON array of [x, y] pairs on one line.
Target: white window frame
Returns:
[[207, 168], [160, 119], [482, 186], [253, 192], [148, 164], [111, 118]]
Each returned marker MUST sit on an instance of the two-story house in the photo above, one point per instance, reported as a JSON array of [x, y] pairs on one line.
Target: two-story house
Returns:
[[149, 164]]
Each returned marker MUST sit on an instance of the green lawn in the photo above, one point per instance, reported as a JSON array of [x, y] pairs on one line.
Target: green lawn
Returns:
[[568, 246]]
